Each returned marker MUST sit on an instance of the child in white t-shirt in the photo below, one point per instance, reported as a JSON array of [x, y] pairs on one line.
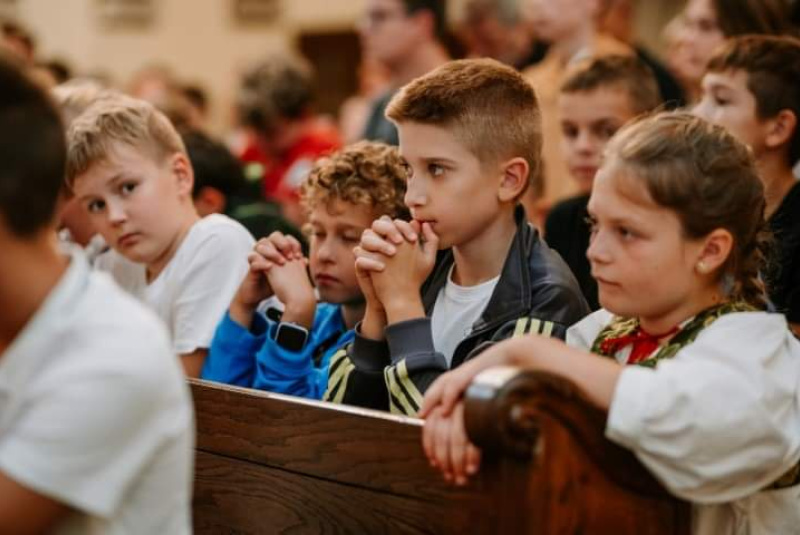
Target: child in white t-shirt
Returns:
[[698, 380], [96, 425], [128, 168]]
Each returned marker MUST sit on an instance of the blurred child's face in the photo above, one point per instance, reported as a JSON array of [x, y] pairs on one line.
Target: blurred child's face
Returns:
[[728, 102], [335, 229], [588, 120], [388, 32], [643, 264], [697, 37], [136, 203], [553, 20], [74, 218], [447, 186]]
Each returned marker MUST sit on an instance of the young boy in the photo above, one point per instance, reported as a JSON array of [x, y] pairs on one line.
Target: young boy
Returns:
[[95, 420], [470, 138], [597, 98], [74, 224], [571, 28], [128, 168], [343, 195], [753, 89]]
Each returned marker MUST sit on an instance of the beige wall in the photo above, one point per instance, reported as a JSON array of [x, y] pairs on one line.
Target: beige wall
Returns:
[[199, 40]]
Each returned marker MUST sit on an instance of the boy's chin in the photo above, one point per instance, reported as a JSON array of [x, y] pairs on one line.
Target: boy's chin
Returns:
[[339, 297]]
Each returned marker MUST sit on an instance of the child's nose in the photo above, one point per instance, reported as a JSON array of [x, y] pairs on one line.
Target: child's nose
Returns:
[[116, 213], [414, 196], [598, 250]]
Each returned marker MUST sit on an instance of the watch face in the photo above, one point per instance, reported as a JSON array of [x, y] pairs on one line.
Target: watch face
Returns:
[[291, 337]]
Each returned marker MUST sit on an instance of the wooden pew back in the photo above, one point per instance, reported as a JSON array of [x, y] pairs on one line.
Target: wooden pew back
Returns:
[[268, 463]]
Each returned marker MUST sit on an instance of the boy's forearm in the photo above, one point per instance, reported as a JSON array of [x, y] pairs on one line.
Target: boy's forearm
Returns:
[[404, 308], [242, 314], [301, 312], [374, 322]]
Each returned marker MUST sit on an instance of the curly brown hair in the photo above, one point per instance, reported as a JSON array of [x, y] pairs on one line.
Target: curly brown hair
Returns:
[[365, 173]]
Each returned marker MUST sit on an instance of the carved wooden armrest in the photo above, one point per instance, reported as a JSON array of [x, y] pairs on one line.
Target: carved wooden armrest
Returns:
[[505, 410]]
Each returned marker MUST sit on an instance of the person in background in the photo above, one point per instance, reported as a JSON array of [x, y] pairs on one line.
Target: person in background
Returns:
[[597, 98], [752, 88], [704, 25], [220, 187], [275, 104], [407, 38]]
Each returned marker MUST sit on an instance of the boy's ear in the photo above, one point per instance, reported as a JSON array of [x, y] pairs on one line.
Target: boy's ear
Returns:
[[715, 251], [183, 172], [209, 201], [781, 129], [513, 180]]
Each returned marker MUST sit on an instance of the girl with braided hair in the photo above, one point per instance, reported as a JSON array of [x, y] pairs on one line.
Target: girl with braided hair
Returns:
[[699, 381]]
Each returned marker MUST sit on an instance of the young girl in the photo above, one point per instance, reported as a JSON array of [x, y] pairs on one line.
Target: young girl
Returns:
[[709, 397]]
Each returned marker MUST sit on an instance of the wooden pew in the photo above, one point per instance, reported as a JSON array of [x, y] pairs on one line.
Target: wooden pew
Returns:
[[268, 463]]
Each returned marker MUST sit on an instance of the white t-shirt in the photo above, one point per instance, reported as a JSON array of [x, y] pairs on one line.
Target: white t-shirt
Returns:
[[95, 413], [195, 288], [707, 421], [456, 310]]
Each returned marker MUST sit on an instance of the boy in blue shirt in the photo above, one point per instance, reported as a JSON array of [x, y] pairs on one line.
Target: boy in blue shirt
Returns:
[[289, 352]]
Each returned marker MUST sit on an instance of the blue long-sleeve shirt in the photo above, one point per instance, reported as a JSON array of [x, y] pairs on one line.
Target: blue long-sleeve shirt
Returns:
[[252, 358]]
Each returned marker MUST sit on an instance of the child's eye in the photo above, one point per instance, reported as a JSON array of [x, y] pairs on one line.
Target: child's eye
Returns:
[[626, 233], [435, 169], [95, 206], [591, 223], [570, 132], [407, 171], [127, 188], [721, 101], [351, 238], [608, 131]]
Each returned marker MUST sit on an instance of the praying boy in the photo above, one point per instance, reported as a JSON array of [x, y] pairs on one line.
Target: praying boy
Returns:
[[290, 354], [469, 269]]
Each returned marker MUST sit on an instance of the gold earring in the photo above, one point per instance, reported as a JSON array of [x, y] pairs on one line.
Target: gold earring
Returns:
[[702, 267]]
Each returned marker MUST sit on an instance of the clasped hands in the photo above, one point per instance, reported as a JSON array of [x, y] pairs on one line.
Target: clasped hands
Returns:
[[277, 267], [392, 261]]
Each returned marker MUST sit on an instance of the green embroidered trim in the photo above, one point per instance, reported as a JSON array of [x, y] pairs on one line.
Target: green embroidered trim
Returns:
[[625, 326]]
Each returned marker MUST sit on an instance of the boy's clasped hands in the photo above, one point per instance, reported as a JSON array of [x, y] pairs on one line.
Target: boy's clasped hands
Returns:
[[277, 267], [392, 261]]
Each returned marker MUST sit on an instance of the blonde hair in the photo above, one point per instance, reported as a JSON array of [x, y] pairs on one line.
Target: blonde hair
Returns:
[[488, 106], [366, 173], [75, 96], [709, 179], [120, 120]]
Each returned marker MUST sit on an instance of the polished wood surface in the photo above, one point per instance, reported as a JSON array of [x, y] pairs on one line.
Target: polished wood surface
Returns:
[[268, 463]]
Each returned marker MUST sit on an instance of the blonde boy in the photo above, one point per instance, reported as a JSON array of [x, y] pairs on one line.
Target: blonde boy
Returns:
[[343, 195], [128, 168], [470, 139], [598, 97]]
